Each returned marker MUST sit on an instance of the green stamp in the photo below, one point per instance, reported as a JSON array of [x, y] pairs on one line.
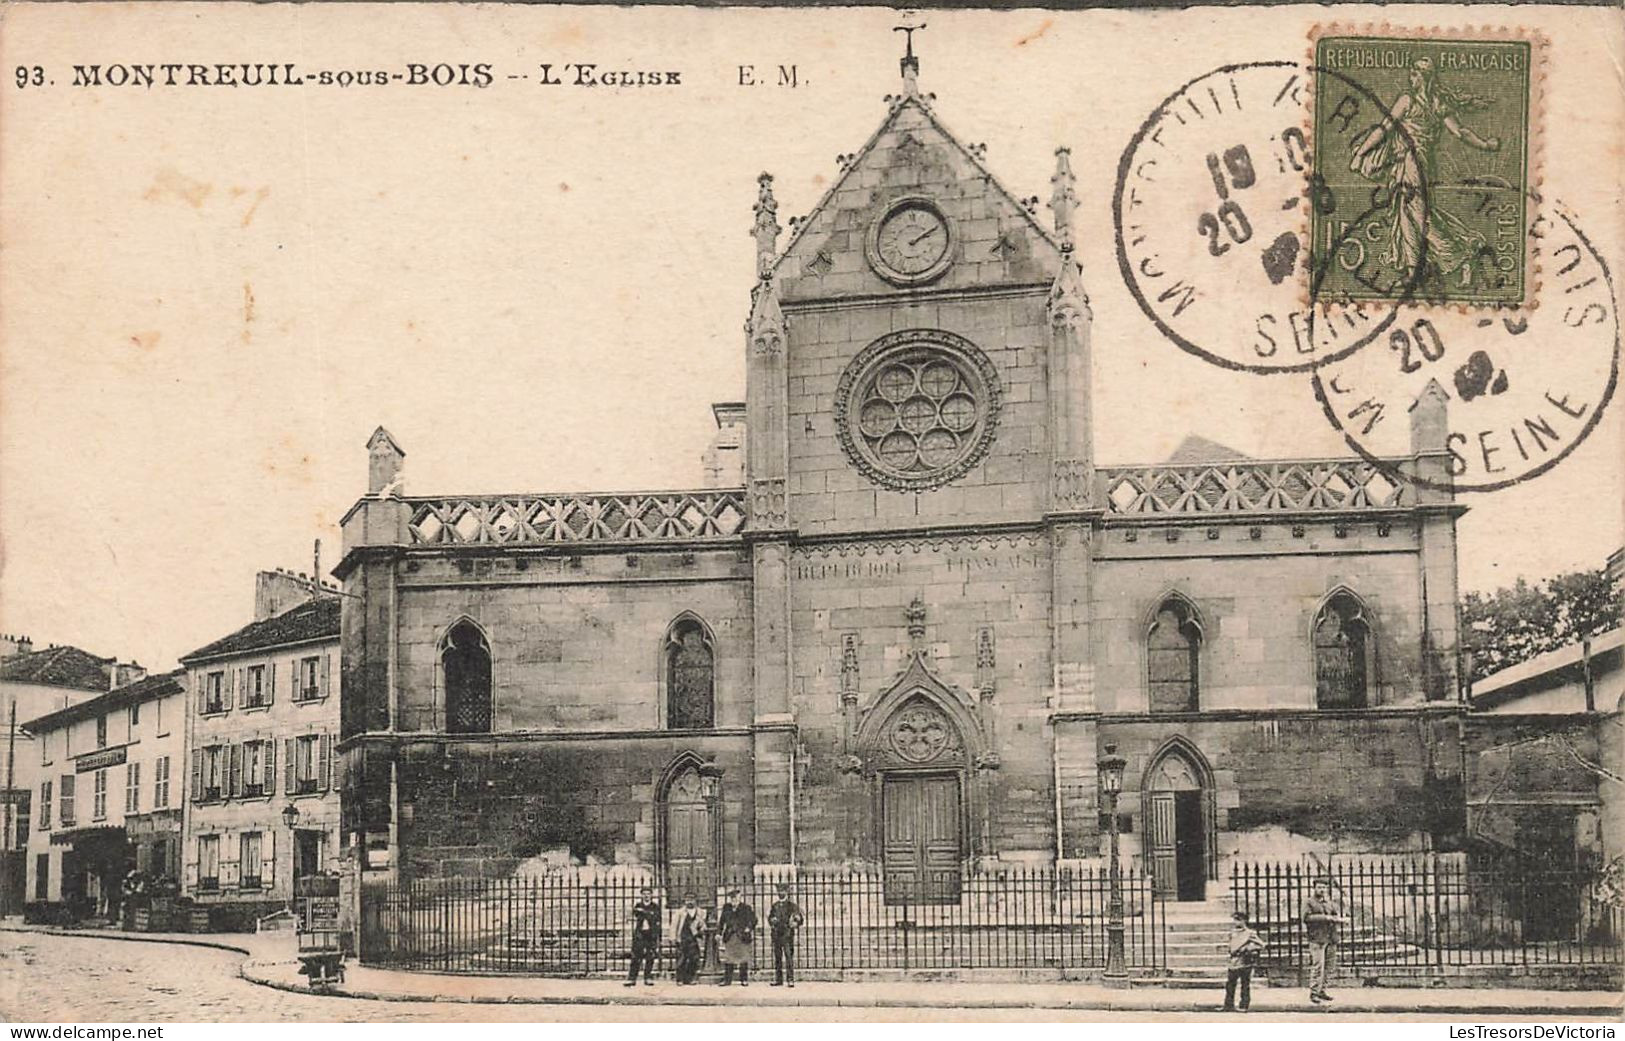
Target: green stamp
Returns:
[[1421, 169]]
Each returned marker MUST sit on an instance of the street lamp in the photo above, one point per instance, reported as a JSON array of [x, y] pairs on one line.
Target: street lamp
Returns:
[[290, 817], [1110, 770]]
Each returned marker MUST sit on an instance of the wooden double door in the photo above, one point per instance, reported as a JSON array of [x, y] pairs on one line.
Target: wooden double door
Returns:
[[1178, 839], [923, 846]]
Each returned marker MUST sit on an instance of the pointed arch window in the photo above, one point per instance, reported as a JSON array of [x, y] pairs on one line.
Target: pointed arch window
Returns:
[[690, 662], [1344, 658], [1173, 657], [465, 662]]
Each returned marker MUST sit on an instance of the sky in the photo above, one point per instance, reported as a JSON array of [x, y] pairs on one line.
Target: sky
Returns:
[[209, 297]]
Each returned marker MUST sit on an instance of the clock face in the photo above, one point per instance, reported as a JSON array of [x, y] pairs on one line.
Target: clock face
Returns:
[[911, 242]]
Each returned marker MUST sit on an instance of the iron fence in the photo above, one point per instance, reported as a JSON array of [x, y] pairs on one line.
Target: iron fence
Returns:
[[576, 925], [1434, 915]]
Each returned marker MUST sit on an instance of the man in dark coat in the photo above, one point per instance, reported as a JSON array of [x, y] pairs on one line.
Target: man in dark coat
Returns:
[[736, 925], [645, 937], [784, 918], [690, 927]]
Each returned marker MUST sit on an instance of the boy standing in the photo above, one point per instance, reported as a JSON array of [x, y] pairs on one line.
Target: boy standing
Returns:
[[1246, 947]]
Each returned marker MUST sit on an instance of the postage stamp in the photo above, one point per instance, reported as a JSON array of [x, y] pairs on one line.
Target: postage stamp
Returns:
[[1447, 160]]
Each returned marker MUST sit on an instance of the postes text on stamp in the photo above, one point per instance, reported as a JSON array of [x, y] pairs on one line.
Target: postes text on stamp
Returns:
[[1444, 159]]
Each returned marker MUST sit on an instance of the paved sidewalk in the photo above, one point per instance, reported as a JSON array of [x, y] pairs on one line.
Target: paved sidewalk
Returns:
[[386, 985], [267, 947]]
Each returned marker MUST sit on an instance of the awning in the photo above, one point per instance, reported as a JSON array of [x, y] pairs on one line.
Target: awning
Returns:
[[98, 833]]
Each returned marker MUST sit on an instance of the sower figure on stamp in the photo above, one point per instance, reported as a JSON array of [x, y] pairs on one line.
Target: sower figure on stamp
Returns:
[[645, 936], [784, 918], [690, 927], [1320, 922], [1245, 947], [736, 926]]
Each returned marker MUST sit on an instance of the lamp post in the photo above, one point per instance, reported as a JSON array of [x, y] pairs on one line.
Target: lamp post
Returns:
[[1110, 770], [290, 817]]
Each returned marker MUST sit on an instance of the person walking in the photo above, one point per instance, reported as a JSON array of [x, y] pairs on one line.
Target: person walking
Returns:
[[1246, 947], [1321, 917], [736, 926], [690, 928], [783, 919], [645, 937]]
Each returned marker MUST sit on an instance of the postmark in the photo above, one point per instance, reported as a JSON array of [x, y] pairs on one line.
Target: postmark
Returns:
[[1448, 152], [1212, 209], [1521, 390]]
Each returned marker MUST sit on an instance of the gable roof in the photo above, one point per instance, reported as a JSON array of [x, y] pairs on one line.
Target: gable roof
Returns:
[[310, 621], [149, 689], [58, 667], [1198, 449], [899, 105]]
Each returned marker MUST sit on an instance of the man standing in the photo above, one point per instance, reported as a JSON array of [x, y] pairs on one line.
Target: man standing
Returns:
[[1245, 948], [645, 937], [737, 927], [690, 927], [784, 918], [1320, 922]]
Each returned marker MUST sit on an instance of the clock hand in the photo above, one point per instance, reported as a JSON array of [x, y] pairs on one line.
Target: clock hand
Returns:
[[928, 233]]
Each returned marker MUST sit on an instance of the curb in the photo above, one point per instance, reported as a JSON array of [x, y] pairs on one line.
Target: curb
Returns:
[[128, 938], [1345, 1006]]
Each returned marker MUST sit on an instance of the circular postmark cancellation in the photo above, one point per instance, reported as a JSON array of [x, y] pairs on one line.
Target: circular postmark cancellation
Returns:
[[1213, 211], [1496, 396]]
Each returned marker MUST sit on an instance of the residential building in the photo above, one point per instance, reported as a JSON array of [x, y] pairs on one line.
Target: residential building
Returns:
[[261, 723], [905, 638], [33, 683], [108, 794]]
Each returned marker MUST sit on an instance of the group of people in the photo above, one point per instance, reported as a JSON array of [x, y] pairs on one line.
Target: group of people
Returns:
[[1321, 918], [733, 930]]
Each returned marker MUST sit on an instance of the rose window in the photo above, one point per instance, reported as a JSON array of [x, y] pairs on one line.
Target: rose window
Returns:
[[917, 409]]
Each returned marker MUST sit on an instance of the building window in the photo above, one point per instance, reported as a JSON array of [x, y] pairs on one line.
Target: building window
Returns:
[[249, 863], [690, 677], [45, 749], [98, 802], [135, 716], [208, 861], [65, 808], [101, 731], [309, 763], [42, 876], [132, 788], [214, 692], [1172, 657], [214, 772], [158, 717], [45, 806], [256, 695], [465, 660], [307, 679], [259, 776], [1343, 654], [160, 783]]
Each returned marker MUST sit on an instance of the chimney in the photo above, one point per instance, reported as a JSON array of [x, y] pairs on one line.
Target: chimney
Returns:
[[11, 646], [724, 460], [277, 591]]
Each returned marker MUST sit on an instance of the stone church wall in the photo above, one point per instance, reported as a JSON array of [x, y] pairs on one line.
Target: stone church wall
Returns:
[[1256, 600], [861, 590]]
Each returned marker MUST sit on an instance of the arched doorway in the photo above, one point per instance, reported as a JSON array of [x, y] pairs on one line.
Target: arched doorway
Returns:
[[922, 804], [1178, 827], [691, 831]]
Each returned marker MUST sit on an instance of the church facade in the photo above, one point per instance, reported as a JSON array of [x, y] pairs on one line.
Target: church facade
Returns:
[[904, 636]]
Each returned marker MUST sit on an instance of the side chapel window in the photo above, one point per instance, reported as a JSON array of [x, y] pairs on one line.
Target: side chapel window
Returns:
[[1172, 657], [1343, 654], [465, 660], [690, 677]]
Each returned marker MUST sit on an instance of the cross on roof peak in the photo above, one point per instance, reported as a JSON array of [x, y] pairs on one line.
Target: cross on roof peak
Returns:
[[910, 65]]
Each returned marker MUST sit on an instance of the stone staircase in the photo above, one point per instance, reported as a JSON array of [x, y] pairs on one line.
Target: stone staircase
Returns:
[[1198, 944]]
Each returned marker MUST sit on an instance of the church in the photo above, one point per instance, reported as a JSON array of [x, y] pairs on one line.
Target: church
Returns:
[[900, 633]]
